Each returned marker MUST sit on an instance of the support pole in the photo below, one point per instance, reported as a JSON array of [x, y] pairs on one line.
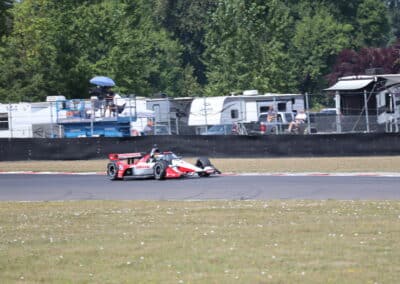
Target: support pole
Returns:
[[308, 114], [366, 110], [338, 113], [52, 120], [92, 112], [205, 113], [169, 115], [278, 126], [10, 119]]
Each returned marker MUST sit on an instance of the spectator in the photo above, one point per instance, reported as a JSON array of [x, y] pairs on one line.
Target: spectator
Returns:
[[149, 128], [109, 98], [299, 119], [99, 93], [271, 114]]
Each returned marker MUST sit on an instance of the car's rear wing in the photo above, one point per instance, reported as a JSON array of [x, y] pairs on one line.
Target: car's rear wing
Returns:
[[115, 157]]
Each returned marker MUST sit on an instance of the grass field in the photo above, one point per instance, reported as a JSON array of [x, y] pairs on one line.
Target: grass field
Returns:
[[200, 242], [279, 241], [341, 164]]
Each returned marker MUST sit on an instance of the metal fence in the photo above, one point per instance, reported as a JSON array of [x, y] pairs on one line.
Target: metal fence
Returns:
[[40, 120]]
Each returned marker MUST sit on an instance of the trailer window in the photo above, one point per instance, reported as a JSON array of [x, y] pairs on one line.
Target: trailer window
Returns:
[[4, 121], [281, 106], [234, 113]]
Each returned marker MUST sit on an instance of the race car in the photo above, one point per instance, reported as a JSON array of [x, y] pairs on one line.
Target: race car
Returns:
[[156, 164]]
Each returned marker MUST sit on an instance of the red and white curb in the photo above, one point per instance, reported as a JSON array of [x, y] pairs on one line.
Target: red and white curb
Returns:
[[272, 174], [321, 174]]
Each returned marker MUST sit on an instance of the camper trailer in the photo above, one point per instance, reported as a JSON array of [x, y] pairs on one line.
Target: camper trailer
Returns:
[[243, 108], [29, 120], [170, 115], [368, 103]]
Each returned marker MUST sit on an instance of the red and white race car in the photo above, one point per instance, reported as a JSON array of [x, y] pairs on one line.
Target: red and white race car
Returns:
[[155, 164]]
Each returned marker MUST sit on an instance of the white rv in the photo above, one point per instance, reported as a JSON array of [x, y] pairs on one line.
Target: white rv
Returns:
[[240, 108], [26, 120], [388, 105], [369, 96]]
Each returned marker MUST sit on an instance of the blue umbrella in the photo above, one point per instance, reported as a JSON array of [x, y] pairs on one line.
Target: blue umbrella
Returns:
[[102, 81]]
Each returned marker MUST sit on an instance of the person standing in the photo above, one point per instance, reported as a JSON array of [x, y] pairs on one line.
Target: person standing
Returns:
[[109, 100], [271, 116]]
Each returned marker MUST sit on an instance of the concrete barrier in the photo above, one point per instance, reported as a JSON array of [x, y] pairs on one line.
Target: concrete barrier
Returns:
[[372, 144]]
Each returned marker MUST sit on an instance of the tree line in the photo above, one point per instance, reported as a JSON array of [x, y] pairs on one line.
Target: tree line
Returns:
[[191, 47]]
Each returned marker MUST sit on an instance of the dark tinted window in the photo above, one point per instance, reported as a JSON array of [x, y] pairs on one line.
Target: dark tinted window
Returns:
[[234, 113], [4, 121]]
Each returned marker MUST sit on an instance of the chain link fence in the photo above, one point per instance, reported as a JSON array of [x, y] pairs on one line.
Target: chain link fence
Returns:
[[171, 116]]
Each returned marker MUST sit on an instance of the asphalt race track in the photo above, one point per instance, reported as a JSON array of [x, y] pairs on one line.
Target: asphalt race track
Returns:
[[22, 187]]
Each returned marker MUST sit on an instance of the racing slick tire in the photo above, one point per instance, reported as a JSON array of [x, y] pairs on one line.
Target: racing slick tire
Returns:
[[112, 171], [160, 170], [202, 163]]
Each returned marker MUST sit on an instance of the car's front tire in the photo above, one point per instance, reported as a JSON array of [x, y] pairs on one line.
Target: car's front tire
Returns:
[[160, 170], [202, 163]]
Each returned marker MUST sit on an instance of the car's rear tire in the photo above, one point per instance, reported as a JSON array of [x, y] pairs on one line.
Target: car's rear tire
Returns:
[[160, 170], [112, 171], [203, 162]]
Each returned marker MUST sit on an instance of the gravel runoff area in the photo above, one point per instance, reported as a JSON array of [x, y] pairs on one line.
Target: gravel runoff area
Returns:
[[234, 165]]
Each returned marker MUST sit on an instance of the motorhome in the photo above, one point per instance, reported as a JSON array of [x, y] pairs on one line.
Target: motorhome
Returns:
[[243, 108], [368, 103]]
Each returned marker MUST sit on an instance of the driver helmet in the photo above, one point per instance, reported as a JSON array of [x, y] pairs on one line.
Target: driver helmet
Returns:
[[155, 152]]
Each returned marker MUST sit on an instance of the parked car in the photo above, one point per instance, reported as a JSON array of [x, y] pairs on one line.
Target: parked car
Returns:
[[263, 126], [161, 130], [221, 129]]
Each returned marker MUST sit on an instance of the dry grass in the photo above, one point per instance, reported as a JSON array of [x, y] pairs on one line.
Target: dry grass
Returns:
[[341, 164], [200, 242]]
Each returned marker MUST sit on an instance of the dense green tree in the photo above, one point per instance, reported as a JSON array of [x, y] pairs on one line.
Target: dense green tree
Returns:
[[247, 47], [183, 47], [144, 58], [394, 17], [5, 17], [373, 23], [57, 46], [29, 53], [187, 20], [318, 39]]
